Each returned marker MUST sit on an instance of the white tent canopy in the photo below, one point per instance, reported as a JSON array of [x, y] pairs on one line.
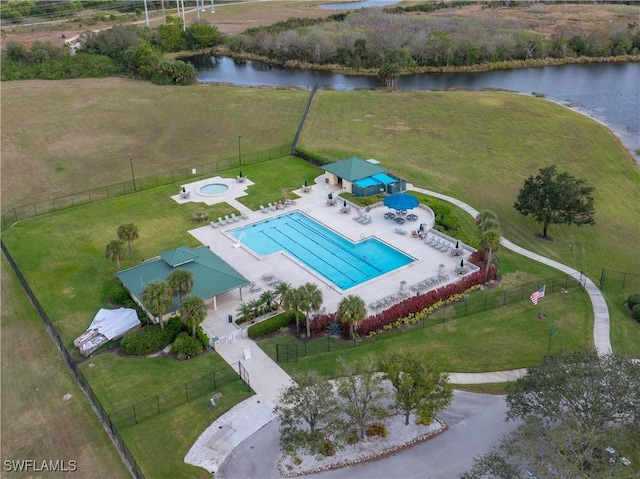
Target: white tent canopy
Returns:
[[113, 323]]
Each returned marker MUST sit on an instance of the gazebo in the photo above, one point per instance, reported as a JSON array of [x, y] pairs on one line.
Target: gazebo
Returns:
[[362, 177]]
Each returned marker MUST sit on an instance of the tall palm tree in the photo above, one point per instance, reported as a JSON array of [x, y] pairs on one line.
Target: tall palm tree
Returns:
[[283, 290], [193, 311], [180, 281], [489, 236], [490, 242], [310, 299], [157, 298], [353, 310], [129, 233], [115, 252]]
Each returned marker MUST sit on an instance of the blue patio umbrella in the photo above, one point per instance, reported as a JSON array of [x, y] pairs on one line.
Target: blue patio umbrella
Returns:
[[401, 201]]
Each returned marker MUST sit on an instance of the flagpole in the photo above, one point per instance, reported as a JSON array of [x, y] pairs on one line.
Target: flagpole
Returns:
[[544, 291]]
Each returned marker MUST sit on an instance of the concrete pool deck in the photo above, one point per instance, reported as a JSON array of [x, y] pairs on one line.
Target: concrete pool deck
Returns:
[[314, 204]]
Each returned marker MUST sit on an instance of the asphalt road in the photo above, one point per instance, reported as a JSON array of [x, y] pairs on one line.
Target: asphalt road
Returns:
[[475, 422]]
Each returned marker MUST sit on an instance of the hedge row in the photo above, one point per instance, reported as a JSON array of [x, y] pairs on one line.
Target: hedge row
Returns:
[[272, 324]]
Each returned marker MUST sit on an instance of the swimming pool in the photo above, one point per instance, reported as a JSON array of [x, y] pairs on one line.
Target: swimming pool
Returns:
[[336, 258], [213, 189]]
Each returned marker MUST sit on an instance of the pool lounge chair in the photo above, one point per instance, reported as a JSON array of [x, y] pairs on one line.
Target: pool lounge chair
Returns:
[[220, 221], [213, 224], [235, 218], [271, 207], [263, 209], [227, 220]]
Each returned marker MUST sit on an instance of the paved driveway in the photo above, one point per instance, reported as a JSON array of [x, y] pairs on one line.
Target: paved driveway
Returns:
[[475, 422]]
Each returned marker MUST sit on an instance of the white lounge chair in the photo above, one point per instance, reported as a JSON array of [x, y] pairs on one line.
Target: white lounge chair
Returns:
[[263, 209], [235, 218], [213, 224], [271, 207], [227, 220]]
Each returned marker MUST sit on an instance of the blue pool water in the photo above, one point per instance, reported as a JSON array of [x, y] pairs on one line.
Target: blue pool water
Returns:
[[212, 189], [338, 259]]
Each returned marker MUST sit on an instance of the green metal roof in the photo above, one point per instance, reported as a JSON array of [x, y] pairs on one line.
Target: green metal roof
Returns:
[[211, 275], [353, 169]]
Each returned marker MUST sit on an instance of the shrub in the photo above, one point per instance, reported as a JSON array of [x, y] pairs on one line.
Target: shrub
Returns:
[[327, 448], [119, 295], [202, 337], [272, 324], [185, 346], [635, 312], [147, 340], [632, 300], [172, 328], [377, 429]]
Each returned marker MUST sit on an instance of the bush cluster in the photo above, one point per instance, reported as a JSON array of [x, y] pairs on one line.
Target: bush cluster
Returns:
[[633, 299], [327, 448], [272, 324], [376, 429], [418, 307], [147, 340], [186, 346]]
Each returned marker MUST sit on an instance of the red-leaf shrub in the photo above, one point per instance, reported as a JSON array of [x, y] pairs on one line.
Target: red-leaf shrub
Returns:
[[415, 304]]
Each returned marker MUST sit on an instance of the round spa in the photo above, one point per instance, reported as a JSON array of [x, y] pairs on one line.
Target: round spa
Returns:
[[212, 189]]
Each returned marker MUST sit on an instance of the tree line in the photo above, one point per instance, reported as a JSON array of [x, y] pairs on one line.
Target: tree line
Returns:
[[123, 49], [361, 40]]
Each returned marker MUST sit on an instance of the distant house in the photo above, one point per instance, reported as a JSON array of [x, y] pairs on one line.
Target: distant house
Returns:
[[362, 177], [211, 275]]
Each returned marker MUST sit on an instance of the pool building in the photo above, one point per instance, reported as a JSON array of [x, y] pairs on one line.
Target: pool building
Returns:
[[362, 177]]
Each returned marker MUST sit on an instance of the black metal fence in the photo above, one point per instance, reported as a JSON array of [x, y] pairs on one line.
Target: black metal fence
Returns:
[[619, 279], [178, 396], [475, 303], [84, 385], [119, 189], [191, 390]]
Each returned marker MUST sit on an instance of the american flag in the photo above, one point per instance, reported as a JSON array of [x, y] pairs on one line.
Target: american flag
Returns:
[[536, 295]]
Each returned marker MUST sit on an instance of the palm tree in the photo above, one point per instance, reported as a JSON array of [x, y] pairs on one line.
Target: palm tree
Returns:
[[157, 298], [489, 236], [353, 310], [128, 232], [115, 252], [180, 281], [268, 299], [283, 290], [244, 312], [490, 242], [192, 312], [310, 299], [255, 307], [484, 216]]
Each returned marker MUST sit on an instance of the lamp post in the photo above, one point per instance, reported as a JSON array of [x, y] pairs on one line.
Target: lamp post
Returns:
[[133, 177], [552, 333], [239, 150]]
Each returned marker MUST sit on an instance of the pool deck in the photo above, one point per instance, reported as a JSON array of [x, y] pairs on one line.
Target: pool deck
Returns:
[[285, 268]]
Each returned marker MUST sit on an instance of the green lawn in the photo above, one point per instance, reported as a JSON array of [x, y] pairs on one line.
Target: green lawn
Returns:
[[36, 422], [475, 146], [120, 381], [500, 339], [479, 147]]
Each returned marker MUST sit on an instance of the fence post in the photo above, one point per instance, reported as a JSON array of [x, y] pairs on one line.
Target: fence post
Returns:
[[504, 298], [215, 388], [135, 418], [602, 279], [158, 402], [186, 392], [624, 279]]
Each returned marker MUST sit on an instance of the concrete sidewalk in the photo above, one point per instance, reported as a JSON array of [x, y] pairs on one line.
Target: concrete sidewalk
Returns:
[[267, 378]]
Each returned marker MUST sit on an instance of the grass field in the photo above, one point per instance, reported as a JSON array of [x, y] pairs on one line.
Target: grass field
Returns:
[[81, 134], [479, 147], [36, 422]]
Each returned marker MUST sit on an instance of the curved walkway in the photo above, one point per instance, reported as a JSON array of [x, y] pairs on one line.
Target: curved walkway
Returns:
[[601, 323], [267, 378]]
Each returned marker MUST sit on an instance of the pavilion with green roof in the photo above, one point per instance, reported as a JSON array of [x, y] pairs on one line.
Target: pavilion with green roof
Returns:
[[211, 275], [362, 177]]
